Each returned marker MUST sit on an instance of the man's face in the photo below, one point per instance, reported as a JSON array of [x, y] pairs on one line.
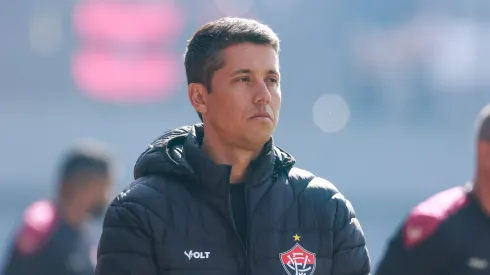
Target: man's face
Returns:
[[97, 194], [245, 98], [484, 155]]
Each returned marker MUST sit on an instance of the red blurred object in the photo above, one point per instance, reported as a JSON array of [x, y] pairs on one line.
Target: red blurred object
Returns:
[[151, 76], [104, 74], [39, 220], [127, 22]]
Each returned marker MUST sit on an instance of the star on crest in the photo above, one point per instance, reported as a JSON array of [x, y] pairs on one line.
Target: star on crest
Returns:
[[297, 238]]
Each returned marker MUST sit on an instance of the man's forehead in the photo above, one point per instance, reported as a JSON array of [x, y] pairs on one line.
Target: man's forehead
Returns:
[[248, 55], [484, 124]]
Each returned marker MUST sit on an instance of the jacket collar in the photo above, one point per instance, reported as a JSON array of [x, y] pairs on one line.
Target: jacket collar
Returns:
[[216, 177]]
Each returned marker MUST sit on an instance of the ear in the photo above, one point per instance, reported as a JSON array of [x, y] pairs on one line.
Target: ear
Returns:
[[197, 96]]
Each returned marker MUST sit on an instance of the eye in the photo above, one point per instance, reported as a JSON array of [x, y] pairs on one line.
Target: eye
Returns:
[[273, 79], [243, 79]]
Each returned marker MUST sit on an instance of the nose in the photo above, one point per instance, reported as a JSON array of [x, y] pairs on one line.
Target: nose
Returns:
[[262, 94]]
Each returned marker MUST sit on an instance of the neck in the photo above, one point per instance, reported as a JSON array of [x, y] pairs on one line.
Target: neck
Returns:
[[222, 153], [481, 190]]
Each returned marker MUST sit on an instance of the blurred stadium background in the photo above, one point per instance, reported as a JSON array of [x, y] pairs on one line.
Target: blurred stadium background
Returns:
[[380, 97]]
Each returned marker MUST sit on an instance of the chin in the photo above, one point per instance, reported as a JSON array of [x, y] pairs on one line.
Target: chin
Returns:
[[257, 134], [259, 138]]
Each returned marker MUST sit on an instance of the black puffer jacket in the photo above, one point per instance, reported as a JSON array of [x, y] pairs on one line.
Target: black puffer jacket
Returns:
[[176, 219]]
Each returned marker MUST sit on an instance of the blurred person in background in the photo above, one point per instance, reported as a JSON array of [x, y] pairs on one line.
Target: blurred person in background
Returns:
[[220, 197], [52, 238], [449, 232]]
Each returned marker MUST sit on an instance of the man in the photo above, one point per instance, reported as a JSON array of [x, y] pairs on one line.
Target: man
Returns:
[[52, 238], [448, 233], [220, 197]]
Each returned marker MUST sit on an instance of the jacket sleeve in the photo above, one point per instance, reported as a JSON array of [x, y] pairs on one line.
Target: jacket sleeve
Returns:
[[350, 255], [414, 249], [125, 247]]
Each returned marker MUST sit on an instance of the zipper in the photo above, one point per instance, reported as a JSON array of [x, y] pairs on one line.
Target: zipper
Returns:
[[230, 215], [247, 247]]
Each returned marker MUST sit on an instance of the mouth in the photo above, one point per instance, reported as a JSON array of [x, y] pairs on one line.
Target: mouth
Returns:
[[262, 116]]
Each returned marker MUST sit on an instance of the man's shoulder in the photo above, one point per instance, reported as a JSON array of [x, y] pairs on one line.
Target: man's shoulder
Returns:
[[426, 217], [313, 185], [39, 221], [153, 192], [143, 190], [322, 198]]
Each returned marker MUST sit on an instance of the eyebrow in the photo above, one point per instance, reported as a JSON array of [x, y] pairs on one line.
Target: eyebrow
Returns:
[[247, 71]]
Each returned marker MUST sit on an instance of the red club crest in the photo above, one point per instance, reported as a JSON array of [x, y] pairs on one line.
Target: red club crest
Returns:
[[298, 261]]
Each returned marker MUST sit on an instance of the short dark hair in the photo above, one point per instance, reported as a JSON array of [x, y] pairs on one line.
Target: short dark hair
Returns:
[[484, 124], [204, 50], [87, 157]]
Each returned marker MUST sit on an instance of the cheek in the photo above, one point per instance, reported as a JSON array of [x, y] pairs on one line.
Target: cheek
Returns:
[[230, 103], [106, 194], [99, 195], [276, 100], [486, 160]]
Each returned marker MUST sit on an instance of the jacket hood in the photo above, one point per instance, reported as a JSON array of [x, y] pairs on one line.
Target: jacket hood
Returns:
[[177, 153]]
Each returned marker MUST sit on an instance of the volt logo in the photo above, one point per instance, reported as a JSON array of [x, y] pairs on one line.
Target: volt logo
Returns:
[[197, 255]]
